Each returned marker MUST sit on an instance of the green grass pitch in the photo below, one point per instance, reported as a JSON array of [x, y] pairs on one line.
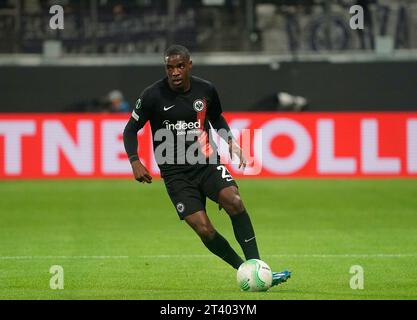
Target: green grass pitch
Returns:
[[118, 239]]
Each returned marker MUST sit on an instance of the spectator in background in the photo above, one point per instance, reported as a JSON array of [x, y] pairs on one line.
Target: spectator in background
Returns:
[[118, 102], [119, 13], [281, 101], [112, 102]]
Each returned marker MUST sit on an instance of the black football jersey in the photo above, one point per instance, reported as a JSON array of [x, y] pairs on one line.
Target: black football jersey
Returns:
[[180, 123]]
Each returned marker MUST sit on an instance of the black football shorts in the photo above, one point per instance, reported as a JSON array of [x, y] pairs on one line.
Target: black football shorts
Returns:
[[189, 188]]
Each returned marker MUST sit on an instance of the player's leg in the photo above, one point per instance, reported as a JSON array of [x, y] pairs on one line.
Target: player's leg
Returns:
[[219, 186], [229, 199], [200, 223], [190, 204]]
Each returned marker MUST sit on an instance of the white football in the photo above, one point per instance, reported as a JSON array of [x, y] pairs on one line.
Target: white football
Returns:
[[254, 275]]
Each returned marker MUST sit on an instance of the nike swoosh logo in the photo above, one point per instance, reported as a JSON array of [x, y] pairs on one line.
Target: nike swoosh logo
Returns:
[[167, 108], [249, 239]]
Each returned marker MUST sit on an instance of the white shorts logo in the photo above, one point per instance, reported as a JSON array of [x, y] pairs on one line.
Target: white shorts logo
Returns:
[[198, 105], [180, 207]]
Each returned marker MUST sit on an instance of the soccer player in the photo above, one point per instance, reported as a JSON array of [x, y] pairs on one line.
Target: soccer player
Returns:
[[180, 108]]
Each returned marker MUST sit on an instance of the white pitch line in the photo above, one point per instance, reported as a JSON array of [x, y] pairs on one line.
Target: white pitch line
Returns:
[[63, 257], [205, 256], [376, 255]]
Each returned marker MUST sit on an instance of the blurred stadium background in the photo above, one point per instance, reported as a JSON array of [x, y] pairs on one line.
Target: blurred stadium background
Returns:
[[332, 102], [305, 48]]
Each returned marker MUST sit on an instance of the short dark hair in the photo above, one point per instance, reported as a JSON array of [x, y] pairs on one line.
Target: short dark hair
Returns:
[[177, 50]]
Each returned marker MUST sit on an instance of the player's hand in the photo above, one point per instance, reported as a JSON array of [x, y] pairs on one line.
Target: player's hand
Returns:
[[140, 172], [234, 148]]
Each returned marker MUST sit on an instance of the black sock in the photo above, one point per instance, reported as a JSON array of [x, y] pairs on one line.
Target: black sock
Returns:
[[221, 248], [245, 235]]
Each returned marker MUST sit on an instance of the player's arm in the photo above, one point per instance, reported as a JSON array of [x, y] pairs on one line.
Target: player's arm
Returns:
[[220, 124], [130, 139]]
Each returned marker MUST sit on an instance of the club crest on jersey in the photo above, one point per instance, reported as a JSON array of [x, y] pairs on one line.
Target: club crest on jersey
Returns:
[[198, 105], [180, 207]]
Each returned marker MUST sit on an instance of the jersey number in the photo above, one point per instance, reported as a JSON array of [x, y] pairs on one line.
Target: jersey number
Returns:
[[225, 174]]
